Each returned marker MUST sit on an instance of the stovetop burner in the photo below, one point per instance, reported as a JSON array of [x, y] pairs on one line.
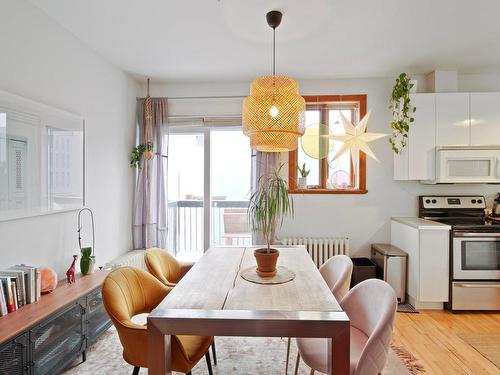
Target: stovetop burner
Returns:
[[461, 212]]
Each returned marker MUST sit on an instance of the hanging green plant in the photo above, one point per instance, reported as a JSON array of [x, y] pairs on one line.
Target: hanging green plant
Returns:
[[145, 149], [402, 111]]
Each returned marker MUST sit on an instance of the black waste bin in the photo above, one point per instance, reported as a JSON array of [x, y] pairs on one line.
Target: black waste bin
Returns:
[[363, 269]]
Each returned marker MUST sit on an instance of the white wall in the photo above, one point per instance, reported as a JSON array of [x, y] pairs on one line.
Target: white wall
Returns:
[[364, 218], [43, 62]]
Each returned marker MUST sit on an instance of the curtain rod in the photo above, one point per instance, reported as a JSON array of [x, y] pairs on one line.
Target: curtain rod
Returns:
[[201, 97]]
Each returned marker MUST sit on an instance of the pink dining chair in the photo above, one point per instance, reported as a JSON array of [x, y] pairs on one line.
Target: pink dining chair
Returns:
[[371, 308], [336, 272]]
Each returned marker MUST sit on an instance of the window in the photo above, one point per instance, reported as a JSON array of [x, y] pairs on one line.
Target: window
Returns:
[[202, 215], [326, 174]]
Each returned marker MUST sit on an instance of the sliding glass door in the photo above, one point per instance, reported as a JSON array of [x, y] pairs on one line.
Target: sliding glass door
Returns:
[[208, 182], [231, 162], [185, 192]]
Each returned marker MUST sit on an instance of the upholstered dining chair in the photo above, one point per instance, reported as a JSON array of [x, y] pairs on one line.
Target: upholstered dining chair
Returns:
[[164, 266], [336, 272], [169, 271], [371, 308], [130, 291]]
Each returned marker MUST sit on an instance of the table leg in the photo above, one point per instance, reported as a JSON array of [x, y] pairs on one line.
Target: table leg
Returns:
[[339, 350], [159, 352], [287, 355]]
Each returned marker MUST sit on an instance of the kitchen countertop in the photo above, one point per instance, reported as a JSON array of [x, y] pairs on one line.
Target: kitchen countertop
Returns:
[[418, 223]]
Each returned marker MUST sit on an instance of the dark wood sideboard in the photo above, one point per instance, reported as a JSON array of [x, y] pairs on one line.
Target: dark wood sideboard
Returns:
[[46, 336]]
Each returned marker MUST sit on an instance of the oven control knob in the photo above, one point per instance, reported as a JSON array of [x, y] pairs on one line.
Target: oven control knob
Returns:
[[474, 201], [434, 201], [427, 201], [479, 201]]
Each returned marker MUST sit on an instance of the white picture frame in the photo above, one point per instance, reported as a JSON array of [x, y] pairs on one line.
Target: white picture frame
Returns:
[[42, 159]]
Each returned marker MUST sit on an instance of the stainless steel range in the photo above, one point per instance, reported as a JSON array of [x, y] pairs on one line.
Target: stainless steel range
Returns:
[[474, 250]]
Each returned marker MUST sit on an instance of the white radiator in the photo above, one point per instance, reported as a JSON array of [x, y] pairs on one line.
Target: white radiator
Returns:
[[134, 258], [320, 249]]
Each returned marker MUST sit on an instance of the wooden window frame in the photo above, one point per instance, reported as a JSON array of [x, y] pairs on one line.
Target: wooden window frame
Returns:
[[293, 155]]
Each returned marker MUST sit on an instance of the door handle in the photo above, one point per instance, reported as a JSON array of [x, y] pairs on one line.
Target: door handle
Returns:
[[477, 234], [466, 285]]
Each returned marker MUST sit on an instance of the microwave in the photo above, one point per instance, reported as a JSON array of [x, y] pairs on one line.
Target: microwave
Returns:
[[468, 164]]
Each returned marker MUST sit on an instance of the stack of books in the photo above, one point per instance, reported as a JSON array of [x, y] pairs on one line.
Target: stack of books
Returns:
[[19, 285]]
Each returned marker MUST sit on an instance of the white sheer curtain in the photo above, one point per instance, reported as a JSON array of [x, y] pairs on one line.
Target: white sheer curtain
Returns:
[[150, 199]]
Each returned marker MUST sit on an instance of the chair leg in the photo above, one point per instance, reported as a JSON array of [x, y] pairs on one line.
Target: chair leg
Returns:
[[297, 362], [214, 354], [312, 371], [287, 355], [209, 362], [136, 370]]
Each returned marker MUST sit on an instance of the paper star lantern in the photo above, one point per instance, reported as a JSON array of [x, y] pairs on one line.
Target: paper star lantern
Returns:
[[355, 139]]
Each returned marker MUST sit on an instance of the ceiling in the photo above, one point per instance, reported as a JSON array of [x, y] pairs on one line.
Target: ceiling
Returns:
[[208, 40]]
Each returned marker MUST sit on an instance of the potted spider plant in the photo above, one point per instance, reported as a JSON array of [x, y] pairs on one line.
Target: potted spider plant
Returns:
[[304, 172], [268, 206]]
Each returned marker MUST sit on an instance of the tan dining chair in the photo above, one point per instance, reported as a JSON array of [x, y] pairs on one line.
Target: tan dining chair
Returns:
[[371, 307], [164, 266], [130, 291], [169, 271], [336, 272]]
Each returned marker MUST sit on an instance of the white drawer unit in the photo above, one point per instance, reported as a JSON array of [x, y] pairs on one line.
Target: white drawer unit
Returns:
[[427, 246]]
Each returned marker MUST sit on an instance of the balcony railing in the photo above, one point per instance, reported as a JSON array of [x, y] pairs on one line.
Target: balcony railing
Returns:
[[229, 224]]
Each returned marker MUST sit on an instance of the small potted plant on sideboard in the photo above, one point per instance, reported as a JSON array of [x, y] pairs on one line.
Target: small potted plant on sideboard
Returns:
[[267, 208]]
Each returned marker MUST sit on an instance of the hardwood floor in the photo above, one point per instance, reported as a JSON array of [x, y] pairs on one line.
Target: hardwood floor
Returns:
[[432, 337]]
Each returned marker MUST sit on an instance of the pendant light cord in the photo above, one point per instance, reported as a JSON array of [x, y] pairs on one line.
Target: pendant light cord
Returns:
[[274, 51]]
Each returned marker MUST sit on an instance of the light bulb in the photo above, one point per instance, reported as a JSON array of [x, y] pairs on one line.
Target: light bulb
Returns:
[[274, 111]]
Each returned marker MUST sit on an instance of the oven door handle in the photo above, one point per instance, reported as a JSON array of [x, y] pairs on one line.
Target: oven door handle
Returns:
[[478, 285], [476, 234]]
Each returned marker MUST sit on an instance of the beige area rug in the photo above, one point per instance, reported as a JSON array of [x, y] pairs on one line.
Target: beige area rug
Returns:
[[235, 355], [486, 344]]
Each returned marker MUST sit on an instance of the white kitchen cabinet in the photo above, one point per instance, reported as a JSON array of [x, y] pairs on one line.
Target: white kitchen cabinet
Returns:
[[427, 245], [446, 119], [485, 118], [417, 160], [452, 119], [401, 165]]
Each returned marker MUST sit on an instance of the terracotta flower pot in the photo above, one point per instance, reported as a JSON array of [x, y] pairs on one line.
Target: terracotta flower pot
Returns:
[[266, 261]]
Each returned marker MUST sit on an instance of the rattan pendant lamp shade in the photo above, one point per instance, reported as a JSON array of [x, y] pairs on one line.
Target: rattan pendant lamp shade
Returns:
[[274, 113]]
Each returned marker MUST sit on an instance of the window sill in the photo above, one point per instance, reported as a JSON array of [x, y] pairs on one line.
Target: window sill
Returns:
[[327, 191]]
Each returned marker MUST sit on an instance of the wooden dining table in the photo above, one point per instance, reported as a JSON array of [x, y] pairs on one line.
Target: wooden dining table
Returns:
[[212, 299]]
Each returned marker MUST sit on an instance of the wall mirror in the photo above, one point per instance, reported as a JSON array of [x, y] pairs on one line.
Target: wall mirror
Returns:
[[42, 159]]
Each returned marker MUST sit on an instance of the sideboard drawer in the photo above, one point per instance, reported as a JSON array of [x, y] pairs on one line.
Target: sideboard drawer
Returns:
[[98, 320], [58, 340], [14, 356]]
